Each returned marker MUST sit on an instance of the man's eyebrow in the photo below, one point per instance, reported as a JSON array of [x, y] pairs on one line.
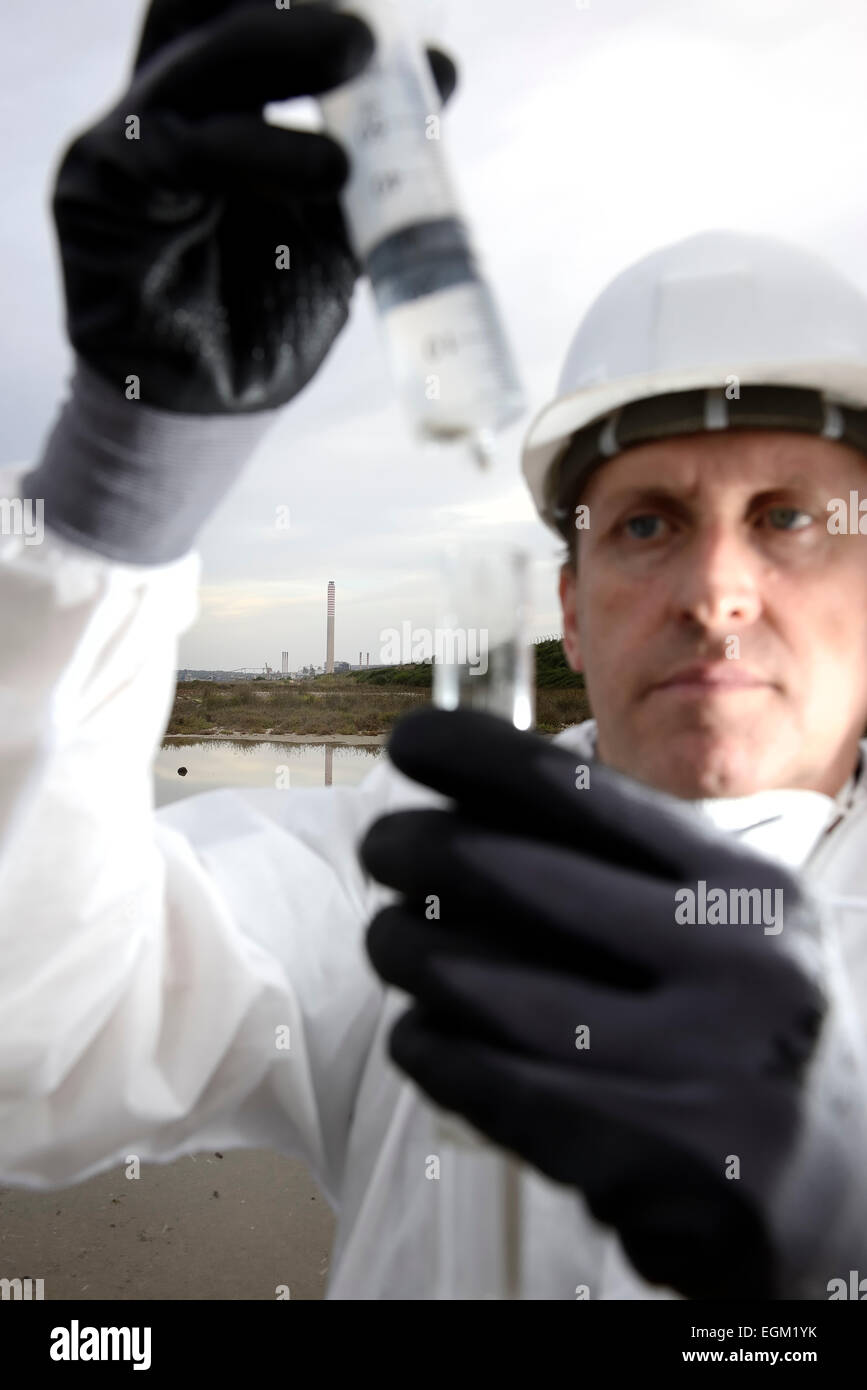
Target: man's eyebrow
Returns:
[[657, 495], [642, 495], [796, 480]]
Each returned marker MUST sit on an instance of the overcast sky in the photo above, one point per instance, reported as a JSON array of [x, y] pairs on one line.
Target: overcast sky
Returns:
[[582, 136]]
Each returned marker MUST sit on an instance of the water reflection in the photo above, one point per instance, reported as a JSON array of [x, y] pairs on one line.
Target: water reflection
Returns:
[[235, 763]]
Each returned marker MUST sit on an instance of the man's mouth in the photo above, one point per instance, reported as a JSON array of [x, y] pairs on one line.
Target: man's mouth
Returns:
[[717, 678]]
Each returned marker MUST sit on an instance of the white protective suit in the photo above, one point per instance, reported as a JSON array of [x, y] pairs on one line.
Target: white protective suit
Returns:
[[149, 960]]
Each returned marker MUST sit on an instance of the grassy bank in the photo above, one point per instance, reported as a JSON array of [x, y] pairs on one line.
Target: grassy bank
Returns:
[[359, 702]]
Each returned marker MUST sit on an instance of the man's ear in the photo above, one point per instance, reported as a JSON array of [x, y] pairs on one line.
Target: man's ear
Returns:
[[571, 638]]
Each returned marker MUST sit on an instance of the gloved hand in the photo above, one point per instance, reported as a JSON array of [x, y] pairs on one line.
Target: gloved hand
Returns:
[[679, 1112], [169, 241], [169, 245]]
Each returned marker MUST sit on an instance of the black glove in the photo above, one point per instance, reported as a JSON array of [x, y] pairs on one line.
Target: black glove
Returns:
[[169, 245], [558, 914], [169, 242]]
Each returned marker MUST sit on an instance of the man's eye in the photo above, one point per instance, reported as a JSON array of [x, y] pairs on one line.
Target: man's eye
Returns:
[[781, 518], [641, 527]]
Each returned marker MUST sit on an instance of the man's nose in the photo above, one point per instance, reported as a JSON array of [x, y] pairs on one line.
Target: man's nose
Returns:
[[718, 582]]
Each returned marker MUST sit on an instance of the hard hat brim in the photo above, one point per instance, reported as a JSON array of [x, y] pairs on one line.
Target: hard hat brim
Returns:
[[551, 429]]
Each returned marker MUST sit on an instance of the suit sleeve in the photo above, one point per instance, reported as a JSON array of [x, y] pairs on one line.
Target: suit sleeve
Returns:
[[149, 1005]]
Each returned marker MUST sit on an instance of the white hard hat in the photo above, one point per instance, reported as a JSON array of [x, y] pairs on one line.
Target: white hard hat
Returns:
[[703, 318]]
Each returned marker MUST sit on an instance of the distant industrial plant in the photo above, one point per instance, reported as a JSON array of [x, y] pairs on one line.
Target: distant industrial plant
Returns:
[[267, 672]]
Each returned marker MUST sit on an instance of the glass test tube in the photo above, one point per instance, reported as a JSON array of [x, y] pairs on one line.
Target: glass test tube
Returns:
[[442, 332], [486, 614]]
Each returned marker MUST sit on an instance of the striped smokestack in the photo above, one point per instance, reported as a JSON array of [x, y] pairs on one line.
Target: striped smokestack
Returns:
[[329, 638]]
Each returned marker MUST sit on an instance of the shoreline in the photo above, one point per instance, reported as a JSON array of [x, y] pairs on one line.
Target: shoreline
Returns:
[[344, 740], [358, 740]]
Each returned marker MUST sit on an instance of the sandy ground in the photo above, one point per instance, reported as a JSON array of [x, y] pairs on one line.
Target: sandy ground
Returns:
[[203, 1227]]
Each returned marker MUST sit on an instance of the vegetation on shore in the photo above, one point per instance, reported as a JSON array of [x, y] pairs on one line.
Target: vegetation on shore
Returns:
[[355, 702]]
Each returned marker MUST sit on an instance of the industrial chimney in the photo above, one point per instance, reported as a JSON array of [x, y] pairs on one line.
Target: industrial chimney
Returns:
[[329, 640], [285, 663]]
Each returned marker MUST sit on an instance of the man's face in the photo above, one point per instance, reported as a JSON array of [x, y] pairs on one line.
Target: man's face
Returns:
[[721, 627]]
